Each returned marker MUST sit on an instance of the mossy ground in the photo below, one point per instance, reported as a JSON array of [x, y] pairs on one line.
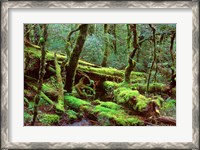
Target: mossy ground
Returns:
[[109, 111], [48, 119]]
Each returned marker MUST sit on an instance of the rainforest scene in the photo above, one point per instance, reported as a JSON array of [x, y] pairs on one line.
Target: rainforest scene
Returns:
[[99, 75]]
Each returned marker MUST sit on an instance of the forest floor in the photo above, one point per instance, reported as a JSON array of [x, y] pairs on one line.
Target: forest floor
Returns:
[[99, 97]]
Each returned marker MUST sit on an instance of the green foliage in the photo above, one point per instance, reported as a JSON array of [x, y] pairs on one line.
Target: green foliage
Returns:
[[169, 108], [93, 50], [31, 106], [41, 40], [48, 119], [27, 117]]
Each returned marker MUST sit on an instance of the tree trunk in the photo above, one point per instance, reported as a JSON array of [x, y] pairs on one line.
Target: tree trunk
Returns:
[[112, 30], [36, 34], [154, 58], [60, 85], [106, 52], [26, 33], [131, 62], [73, 62], [128, 42], [41, 72], [173, 75]]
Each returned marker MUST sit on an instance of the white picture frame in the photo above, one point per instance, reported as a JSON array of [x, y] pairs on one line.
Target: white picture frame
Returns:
[[5, 49]]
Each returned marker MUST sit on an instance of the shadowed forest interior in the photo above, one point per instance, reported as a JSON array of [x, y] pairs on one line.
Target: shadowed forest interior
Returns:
[[99, 74]]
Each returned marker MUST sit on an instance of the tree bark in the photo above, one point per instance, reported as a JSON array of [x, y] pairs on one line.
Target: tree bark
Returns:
[[131, 62], [106, 52], [128, 41], [60, 85], [173, 75], [73, 62], [112, 30], [154, 58], [41, 72]]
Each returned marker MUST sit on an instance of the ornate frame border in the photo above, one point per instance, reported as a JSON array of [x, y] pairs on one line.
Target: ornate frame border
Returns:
[[5, 144]]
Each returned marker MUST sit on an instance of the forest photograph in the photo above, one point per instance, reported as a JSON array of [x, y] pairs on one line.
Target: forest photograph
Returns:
[[99, 75]]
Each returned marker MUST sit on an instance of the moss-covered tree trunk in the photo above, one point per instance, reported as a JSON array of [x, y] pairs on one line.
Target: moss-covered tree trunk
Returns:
[[106, 51], [154, 56], [42, 71], [128, 41], [73, 62], [68, 48], [60, 105], [131, 62]]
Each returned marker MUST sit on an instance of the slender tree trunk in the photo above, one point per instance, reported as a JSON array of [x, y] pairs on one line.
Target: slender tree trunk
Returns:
[[106, 52], [158, 59], [154, 58], [131, 62], [91, 29], [36, 34], [140, 44], [128, 41], [112, 30], [73, 62], [41, 72], [26, 32], [173, 75]]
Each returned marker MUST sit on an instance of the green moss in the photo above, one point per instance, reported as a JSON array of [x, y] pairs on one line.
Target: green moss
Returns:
[[124, 94], [132, 98], [110, 105], [72, 115], [110, 85], [135, 76], [48, 119], [47, 88], [158, 99], [37, 53], [60, 106], [118, 116], [142, 102], [74, 102]]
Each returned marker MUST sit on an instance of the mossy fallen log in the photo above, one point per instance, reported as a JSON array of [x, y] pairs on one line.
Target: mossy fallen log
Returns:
[[106, 113], [111, 74], [158, 88]]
